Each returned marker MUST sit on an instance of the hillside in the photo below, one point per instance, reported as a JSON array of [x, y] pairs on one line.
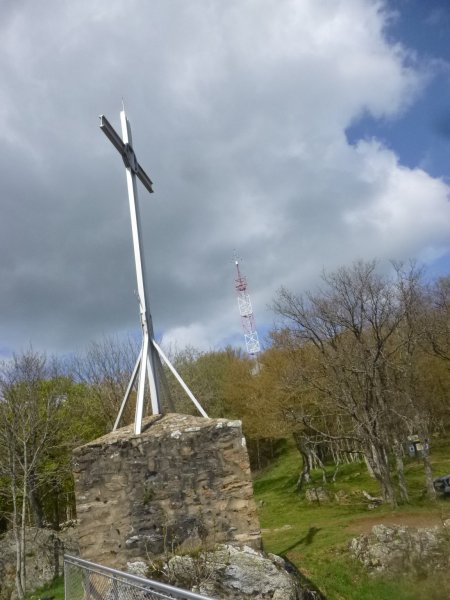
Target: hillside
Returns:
[[315, 537]]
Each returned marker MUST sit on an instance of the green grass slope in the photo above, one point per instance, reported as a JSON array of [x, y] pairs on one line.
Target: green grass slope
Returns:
[[315, 537]]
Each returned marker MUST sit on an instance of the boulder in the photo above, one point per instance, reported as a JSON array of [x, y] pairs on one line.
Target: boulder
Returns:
[[237, 573], [396, 549], [317, 494], [341, 497]]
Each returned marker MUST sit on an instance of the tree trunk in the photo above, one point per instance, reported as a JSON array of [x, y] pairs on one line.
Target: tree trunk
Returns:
[[431, 492], [400, 472], [23, 523], [258, 454], [319, 465], [369, 464], [56, 510], [304, 476], [422, 430], [380, 466], [17, 538], [35, 504]]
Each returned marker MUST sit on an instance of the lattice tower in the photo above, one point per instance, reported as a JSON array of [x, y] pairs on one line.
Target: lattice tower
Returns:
[[246, 312]]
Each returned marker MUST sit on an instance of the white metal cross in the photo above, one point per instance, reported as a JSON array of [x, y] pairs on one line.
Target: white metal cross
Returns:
[[149, 356]]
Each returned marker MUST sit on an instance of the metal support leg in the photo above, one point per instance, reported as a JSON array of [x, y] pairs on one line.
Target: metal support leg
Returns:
[[180, 380], [154, 388], [141, 388], [129, 388]]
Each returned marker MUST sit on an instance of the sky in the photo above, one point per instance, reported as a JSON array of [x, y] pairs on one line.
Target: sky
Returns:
[[304, 134]]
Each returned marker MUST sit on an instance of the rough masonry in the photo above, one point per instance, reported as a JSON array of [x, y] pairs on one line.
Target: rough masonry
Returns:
[[180, 485]]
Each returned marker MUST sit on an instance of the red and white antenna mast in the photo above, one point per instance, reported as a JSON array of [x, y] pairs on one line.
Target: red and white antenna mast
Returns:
[[246, 312]]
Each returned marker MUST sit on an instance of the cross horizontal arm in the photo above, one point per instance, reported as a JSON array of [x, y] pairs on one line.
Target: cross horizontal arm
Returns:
[[111, 134], [124, 150], [145, 179]]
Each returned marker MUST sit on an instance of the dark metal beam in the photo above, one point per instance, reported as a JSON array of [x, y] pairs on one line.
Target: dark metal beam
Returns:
[[118, 144], [145, 179], [111, 134]]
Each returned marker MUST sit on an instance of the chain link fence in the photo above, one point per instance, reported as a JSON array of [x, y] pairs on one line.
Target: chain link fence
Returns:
[[85, 580]]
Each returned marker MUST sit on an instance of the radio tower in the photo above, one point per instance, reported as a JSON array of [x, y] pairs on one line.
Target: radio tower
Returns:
[[246, 312]]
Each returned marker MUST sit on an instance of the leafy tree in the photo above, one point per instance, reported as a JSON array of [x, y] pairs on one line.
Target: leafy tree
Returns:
[[30, 409], [208, 376]]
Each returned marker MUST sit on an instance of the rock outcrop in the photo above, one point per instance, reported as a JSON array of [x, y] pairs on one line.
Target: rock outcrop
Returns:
[[230, 573], [44, 557], [399, 549], [317, 495]]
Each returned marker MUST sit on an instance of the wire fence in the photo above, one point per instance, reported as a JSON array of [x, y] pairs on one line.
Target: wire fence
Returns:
[[85, 580]]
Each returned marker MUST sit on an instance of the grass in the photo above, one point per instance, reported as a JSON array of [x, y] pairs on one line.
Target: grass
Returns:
[[315, 537], [56, 589]]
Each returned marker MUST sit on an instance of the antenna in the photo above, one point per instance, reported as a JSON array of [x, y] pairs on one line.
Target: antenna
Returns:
[[246, 312]]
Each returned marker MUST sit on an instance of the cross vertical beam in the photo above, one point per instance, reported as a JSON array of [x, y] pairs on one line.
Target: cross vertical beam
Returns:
[[150, 355], [148, 362], [148, 358]]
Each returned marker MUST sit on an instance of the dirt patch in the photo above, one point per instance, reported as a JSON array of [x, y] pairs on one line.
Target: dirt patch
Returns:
[[365, 524]]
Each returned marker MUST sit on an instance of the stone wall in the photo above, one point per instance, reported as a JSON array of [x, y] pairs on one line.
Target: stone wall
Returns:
[[181, 484]]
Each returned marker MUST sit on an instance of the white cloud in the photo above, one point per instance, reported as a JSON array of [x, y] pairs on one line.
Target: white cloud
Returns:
[[239, 112], [195, 334]]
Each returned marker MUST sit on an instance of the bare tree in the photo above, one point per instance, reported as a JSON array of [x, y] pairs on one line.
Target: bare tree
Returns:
[[359, 334], [438, 317], [106, 367]]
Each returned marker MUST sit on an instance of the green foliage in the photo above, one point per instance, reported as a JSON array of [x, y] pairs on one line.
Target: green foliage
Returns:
[[212, 377]]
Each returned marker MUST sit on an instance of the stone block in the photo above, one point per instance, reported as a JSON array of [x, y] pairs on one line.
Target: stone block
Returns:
[[182, 484]]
